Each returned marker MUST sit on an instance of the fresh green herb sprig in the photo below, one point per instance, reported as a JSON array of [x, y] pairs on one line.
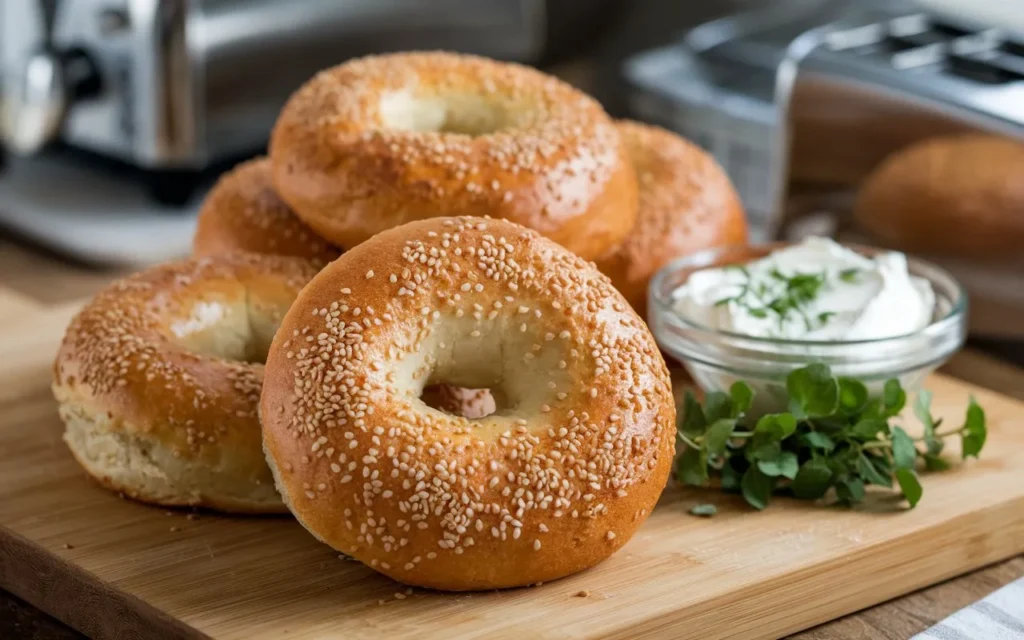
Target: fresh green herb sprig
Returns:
[[834, 437]]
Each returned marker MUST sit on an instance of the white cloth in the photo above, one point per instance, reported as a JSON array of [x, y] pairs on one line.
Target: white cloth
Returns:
[[1000, 616]]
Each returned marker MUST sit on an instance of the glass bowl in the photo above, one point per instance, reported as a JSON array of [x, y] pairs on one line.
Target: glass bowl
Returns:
[[715, 359]]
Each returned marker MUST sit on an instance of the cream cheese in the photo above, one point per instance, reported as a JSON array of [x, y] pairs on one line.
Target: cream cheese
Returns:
[[816, 290]]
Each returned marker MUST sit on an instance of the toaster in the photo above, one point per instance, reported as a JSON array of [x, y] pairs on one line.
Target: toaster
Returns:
[[820, 91], [184, 84]]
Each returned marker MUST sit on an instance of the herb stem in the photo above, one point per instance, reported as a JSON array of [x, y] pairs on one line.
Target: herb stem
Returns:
[[687, 441], [939, 435]]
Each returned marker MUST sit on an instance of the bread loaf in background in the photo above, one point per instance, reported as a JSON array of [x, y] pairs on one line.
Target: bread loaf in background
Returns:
[[959, 196]]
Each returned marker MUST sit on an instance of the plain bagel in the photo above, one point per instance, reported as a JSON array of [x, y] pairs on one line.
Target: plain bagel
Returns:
[[553, 482], [687, 204], [952, 195], [384, 140], [243, 213], [158, 380]]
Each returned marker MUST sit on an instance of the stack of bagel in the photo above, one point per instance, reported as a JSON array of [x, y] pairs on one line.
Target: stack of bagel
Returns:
[[381, 141], [424, 224]]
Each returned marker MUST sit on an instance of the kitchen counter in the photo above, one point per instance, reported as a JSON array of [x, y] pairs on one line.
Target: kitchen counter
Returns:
[[49, 280]]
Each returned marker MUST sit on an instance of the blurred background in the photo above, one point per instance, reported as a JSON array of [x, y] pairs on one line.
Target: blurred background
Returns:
[[117, 115]]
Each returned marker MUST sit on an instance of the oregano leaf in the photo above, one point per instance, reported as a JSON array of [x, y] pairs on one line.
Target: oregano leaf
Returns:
[[853, 396], [904, 453], [974, 431], [910, 486], [818, 440], [850, 490], [742, 397], [871, 474], [894, 398], [717, 436], [693, 421], [813, 479], [717, 405], [812, 391], [757, 488]]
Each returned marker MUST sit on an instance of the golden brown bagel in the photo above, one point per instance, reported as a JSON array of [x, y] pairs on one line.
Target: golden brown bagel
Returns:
[[158, 380], [687, 204], [552, 483], [384, 140], [953, 195], [243, 213]]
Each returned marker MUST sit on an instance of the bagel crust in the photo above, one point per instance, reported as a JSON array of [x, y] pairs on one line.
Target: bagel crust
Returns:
[[687, 204], [157, 385], [553, 482], [384, 140], [243, 213]]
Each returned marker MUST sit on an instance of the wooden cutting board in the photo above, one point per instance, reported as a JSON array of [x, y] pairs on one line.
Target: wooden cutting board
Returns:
[[114, 568]]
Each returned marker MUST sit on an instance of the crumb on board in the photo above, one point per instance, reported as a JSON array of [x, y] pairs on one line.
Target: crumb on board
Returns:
[[175, 529], [192, 516], [583, 593], [68, 546]]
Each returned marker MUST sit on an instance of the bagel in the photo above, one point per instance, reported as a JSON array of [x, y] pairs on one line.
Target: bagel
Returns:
[[554, 481], [958, 196], [384, 140], [158, 380], [243, 213], [687, 204]]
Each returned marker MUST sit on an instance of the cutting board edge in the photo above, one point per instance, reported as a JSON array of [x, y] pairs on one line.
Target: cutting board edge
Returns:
[[80, 599], [104, 601], [879, 591]]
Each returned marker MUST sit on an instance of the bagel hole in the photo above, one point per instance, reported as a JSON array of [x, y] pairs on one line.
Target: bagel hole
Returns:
[[463, 402], [229, 329], [460, 114]]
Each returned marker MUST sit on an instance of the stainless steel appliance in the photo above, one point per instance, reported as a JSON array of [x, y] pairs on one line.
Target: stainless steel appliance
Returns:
[[821, 90], [114, 114], [181, 84]]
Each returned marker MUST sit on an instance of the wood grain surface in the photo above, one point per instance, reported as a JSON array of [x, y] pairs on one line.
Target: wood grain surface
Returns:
[[114, 568]]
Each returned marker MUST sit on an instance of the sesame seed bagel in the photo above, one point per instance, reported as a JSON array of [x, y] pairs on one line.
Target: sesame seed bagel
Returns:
[[553, 482], [384, 140], [687, 204], [243, 213], [158, 380]]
